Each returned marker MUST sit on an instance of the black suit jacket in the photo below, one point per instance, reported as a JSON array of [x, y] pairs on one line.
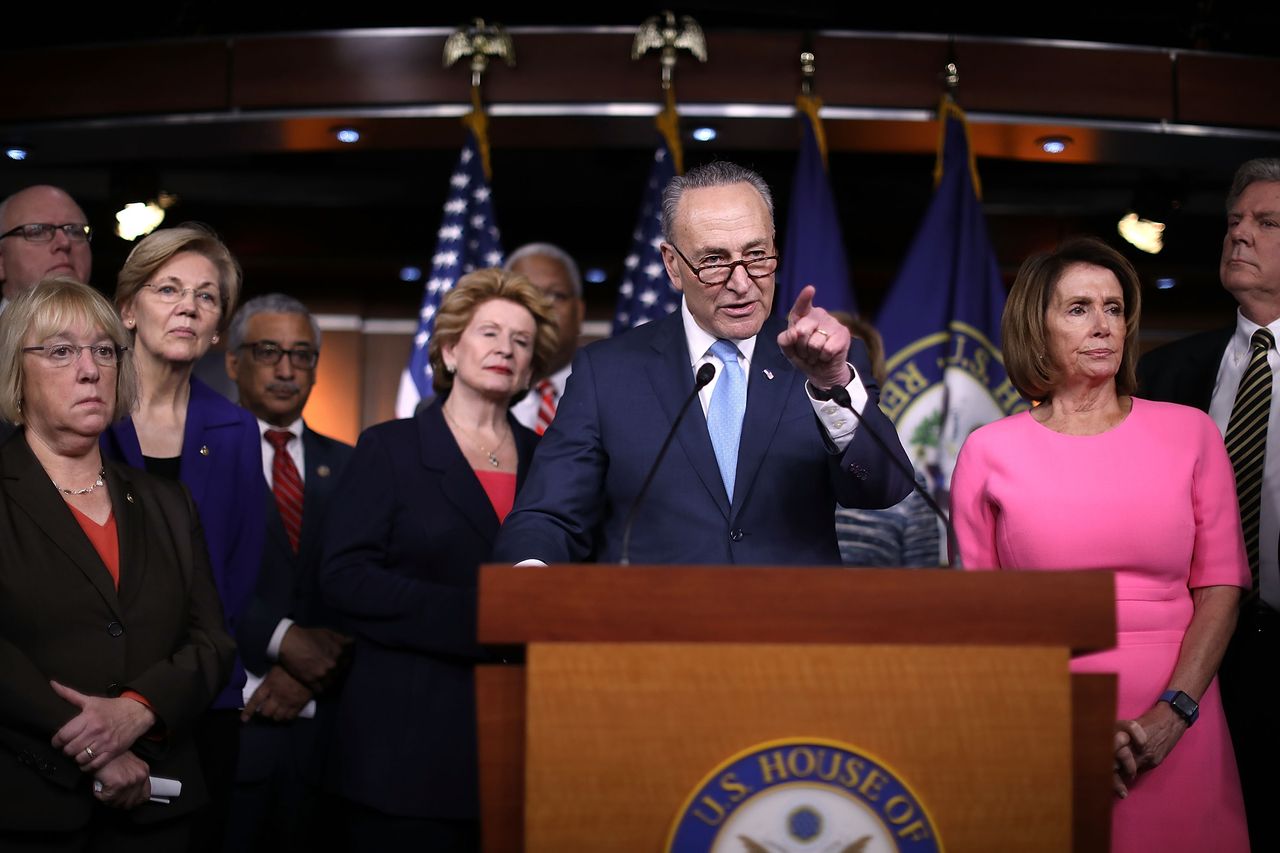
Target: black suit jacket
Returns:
[[1184, 371], [287, 587], [410, 526], [62, 618]]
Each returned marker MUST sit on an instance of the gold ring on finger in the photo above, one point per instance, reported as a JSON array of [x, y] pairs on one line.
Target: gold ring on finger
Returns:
[[88, 750]]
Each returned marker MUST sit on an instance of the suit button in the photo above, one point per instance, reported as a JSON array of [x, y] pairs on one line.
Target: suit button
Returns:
[[115, 629], [735, 536]]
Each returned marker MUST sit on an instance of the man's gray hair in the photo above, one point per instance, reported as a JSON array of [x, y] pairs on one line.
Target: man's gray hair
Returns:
[[271, 303], [1259, 169], [718, 173], [549, 250]]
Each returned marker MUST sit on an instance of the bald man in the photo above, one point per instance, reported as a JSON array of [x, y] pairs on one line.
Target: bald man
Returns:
[[43, 232]]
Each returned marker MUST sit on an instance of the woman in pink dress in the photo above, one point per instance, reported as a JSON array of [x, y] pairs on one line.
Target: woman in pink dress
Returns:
[[1094, 478]]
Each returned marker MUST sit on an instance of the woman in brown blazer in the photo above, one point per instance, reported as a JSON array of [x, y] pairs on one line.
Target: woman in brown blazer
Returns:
[[111, 638]]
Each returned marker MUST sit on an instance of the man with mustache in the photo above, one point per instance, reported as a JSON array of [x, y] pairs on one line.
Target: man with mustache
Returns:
[[1230, 374], [295, 657]]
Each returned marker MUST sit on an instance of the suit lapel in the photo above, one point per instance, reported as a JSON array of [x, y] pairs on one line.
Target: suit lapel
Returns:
[[671, 377], [316, 489], [131, 532], [29, 488], [766, 401], [197, 458], [440, 453]]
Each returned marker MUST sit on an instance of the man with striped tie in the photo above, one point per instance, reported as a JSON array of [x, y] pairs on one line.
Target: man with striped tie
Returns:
[[1230, 373], [554, 272], [286, 635]]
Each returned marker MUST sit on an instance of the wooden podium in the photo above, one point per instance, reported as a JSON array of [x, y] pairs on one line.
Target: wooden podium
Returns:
[[641, 680]]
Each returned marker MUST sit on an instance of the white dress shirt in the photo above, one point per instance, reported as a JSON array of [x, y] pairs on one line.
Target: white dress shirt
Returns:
[[268, 458], [1234, 361], [526, 411], [840, 425]]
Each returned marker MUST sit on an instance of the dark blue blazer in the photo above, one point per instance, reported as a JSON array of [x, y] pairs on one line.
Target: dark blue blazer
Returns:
[[622, 398], [287, 587], [409, 526], [1184, 371], [222, 468]]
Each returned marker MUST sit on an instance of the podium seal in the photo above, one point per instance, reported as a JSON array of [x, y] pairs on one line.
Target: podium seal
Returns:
[[803, 795]]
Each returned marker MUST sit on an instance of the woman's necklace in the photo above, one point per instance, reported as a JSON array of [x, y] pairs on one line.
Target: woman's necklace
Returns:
[[87, 491], [492, 454]]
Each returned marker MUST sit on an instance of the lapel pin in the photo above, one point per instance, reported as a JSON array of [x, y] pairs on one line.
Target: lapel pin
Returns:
[[768, 374], [322, 471], [204, 450], [128, 496]]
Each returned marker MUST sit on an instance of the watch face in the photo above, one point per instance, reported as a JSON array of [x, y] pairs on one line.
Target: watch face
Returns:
[[1184, 705]]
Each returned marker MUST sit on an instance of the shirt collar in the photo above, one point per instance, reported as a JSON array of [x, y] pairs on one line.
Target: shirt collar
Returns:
[[700, 340], [296, 428], [1242, 340]]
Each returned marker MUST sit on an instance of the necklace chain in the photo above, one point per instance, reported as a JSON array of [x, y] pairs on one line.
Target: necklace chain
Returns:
[[86, 491], [492, 454]]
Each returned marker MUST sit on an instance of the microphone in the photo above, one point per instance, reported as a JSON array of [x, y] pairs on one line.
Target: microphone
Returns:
[[840, 396], [703, 378]]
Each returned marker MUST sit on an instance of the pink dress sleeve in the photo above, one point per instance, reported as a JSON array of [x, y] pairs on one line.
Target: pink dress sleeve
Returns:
[[972, 512], [1218, 558]]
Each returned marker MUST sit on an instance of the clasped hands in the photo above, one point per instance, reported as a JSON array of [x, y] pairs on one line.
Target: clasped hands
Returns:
[[99, 738], [1144, 743], [816, 343], [311, 661]]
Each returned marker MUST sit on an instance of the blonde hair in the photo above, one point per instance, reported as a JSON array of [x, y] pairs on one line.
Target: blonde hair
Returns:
[[473, 290], [51, 308], [159, 247]]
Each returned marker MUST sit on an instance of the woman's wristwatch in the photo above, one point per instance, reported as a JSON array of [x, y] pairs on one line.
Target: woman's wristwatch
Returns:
[[1183, 705]]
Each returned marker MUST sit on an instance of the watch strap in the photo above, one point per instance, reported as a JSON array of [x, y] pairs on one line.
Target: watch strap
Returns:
[[1183, 705]]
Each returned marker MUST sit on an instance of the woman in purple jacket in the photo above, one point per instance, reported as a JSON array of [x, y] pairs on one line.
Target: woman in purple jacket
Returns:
[[176, 293]]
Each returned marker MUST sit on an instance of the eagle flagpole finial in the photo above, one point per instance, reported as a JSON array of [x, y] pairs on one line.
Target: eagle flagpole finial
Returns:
[[479, 42], [662, 32]]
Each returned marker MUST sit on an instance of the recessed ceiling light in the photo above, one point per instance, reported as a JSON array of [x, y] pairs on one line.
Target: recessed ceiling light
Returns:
[[704, 134], [1053, 144], [411, 273], [347, 135], [1166, 283], [595, 275], [15, 153]]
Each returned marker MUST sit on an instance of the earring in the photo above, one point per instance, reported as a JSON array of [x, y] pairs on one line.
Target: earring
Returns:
[[451, 369], [128, 324], [214, 339]]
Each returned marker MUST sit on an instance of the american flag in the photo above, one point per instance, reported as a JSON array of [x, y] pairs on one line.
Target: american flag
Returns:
[[467, 240], [646, 293]]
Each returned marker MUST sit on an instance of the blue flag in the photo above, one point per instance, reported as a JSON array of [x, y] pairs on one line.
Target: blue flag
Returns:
[[467, 240], [941, 320], [645, 292], [813, 252]]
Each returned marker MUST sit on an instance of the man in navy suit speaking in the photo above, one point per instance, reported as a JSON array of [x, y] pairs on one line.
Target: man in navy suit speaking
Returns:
[[752, 477]]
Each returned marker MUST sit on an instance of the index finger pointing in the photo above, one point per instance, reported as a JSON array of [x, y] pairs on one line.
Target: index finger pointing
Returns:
[[804, 304]]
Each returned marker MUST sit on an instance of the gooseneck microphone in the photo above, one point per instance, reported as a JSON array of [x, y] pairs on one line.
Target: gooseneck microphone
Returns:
[[701, 380], [840, 396]]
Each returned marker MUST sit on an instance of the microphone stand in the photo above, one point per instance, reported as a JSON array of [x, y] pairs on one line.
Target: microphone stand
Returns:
[[705, 374], [841, 397]]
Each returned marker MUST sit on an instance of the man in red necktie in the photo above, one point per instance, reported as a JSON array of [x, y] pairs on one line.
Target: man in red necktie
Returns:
[[295, 657], [555, 273]]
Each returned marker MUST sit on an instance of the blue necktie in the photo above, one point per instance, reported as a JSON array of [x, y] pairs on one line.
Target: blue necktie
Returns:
[[724, 415]]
